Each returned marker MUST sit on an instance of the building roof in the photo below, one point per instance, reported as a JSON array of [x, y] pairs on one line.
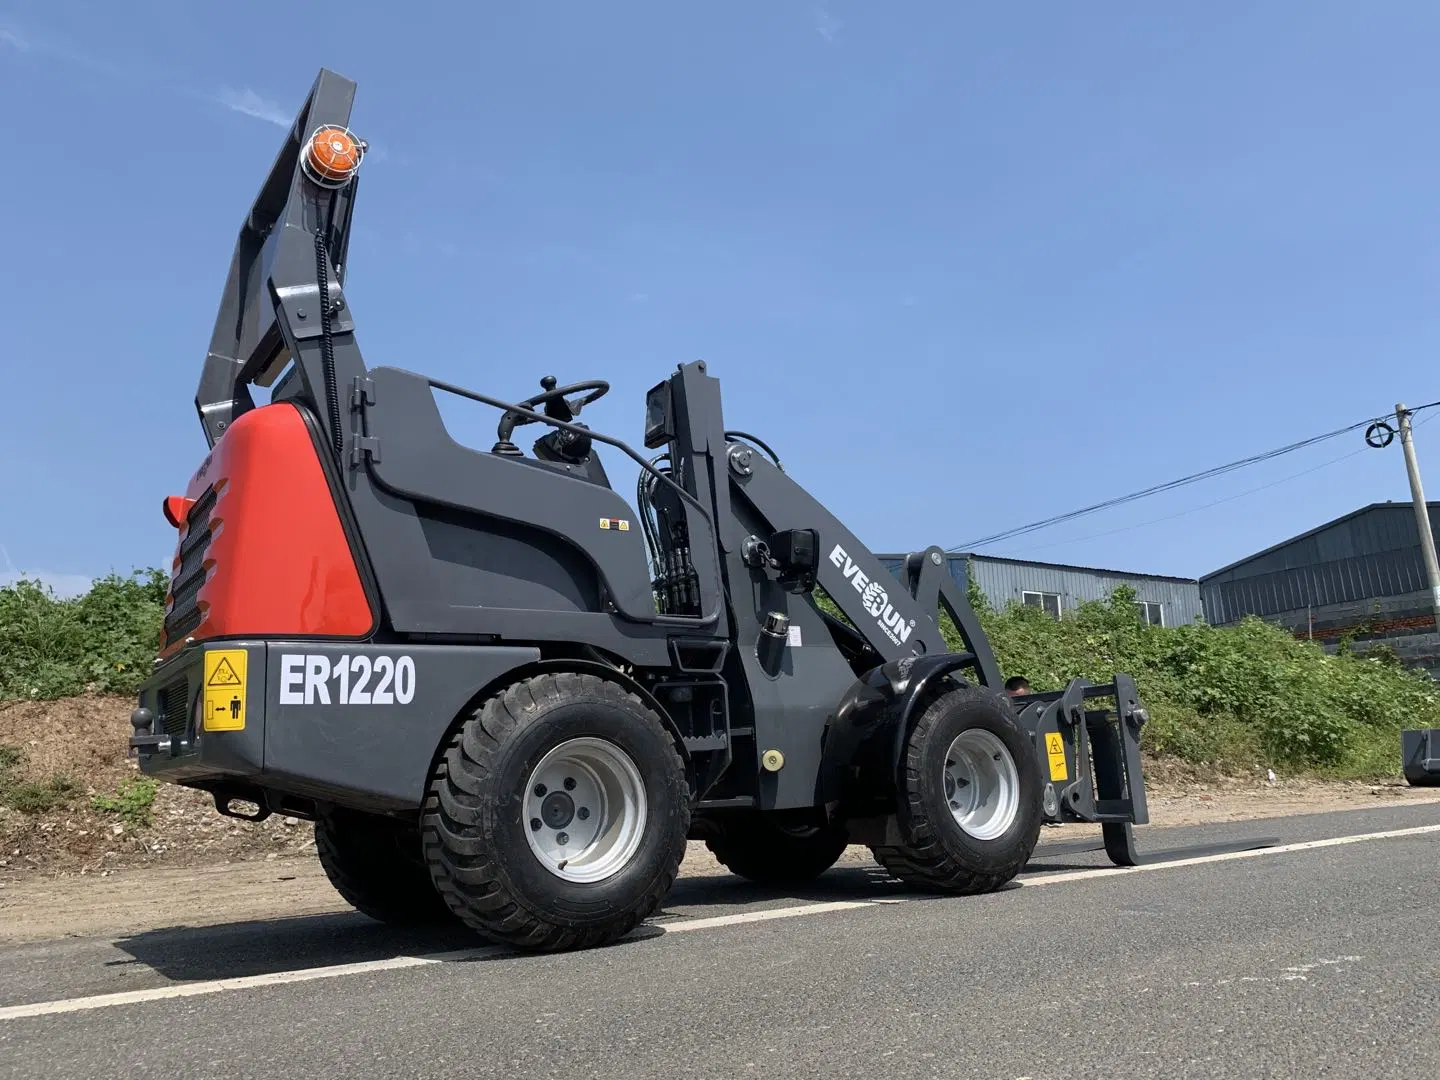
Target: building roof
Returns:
[[1059, 566], [1370, 508]]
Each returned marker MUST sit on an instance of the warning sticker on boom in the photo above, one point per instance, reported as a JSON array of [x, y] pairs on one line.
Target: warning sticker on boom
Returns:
[[1055, 751], [225, 690]]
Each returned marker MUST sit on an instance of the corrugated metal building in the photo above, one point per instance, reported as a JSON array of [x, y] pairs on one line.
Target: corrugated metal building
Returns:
[[1362, 574], [1056, 587]]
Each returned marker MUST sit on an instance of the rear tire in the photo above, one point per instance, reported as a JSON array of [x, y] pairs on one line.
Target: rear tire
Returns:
[[760, 849], [376, 866], [557, 816], [969, 807]]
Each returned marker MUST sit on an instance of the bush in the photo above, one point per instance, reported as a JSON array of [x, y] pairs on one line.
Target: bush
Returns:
[[102, 640]]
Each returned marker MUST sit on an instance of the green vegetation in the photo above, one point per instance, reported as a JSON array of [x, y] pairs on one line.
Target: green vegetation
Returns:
[[27, 796], [1229, 697], [35, 798], [104, 640], [1233, 697], [134, 802]]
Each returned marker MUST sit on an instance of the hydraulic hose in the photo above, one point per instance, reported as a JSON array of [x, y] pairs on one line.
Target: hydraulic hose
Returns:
[[758, 442]]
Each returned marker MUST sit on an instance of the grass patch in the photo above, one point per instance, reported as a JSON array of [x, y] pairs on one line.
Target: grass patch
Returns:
[[134, 802], [27, 796], [33, 798]]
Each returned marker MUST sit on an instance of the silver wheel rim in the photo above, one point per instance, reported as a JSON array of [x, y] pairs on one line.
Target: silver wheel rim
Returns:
[[585, 810], [982, 784]]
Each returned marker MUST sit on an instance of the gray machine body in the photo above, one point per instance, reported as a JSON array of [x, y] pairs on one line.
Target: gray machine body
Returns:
[[486, 566]]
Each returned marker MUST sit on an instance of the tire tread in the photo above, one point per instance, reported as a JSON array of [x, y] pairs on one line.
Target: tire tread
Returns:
[[465, 876], [922, 860], [374, 877]]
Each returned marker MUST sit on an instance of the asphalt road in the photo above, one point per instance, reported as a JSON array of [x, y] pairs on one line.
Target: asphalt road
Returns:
[[1308, 963]]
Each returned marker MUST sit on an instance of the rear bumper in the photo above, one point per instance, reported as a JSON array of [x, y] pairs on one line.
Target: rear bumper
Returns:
[[182, 741], [354, 725]]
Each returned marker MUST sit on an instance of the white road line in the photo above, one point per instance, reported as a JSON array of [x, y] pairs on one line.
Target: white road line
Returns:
[[215, 986], [245, 982], [763, 915], [1226, 856]]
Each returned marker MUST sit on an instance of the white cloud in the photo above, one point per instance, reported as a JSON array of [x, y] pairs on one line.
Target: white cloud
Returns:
[[246, 102], [26, 41], [826, 24], [14, 40], [249, 103], [63, 585]]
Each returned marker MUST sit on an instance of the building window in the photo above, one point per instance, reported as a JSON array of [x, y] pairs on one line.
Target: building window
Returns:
[[1048, 602], [1151, 614]]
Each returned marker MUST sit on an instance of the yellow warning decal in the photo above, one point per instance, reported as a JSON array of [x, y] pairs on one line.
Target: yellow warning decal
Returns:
[[1055, 751], [225, 690], [621, 524]]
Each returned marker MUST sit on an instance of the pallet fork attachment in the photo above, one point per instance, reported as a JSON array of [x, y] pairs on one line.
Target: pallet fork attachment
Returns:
[[1123, 845], [1093, 769]]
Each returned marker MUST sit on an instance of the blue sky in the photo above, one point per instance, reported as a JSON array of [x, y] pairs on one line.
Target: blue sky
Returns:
[[965, 266]]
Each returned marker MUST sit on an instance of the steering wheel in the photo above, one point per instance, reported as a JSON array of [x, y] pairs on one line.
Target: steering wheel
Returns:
[[557, 402], [554, 399]]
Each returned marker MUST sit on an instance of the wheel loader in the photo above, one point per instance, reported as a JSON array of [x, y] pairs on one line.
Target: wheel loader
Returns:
[[506, 696]]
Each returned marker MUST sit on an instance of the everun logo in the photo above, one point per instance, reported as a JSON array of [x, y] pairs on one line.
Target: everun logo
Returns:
[[873, 598]]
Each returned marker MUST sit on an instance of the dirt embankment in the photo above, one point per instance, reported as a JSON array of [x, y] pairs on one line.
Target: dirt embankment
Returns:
[[71, 751]]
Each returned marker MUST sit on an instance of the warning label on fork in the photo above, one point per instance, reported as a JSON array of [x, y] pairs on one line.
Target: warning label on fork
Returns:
[[1055, 751]]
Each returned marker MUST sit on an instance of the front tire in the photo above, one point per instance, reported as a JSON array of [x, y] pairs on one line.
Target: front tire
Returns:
[[557, 816], [969, 806]]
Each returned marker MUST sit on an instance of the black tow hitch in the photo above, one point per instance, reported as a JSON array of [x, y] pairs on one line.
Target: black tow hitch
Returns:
[[224, 799], [144, 737]]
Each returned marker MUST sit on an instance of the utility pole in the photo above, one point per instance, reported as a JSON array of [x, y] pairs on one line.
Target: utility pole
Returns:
[[1422, 511]]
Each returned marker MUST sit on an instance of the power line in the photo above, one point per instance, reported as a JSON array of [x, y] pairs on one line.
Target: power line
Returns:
[[1171, 485], [1204, 506]]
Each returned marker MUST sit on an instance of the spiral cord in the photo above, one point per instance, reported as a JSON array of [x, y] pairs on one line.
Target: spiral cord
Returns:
[[327, 345]]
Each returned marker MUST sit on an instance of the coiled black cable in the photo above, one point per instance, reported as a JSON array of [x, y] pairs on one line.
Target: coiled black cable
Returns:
[[327, 345]]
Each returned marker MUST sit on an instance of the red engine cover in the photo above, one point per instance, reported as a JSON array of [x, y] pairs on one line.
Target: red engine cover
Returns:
[[278, 562]]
